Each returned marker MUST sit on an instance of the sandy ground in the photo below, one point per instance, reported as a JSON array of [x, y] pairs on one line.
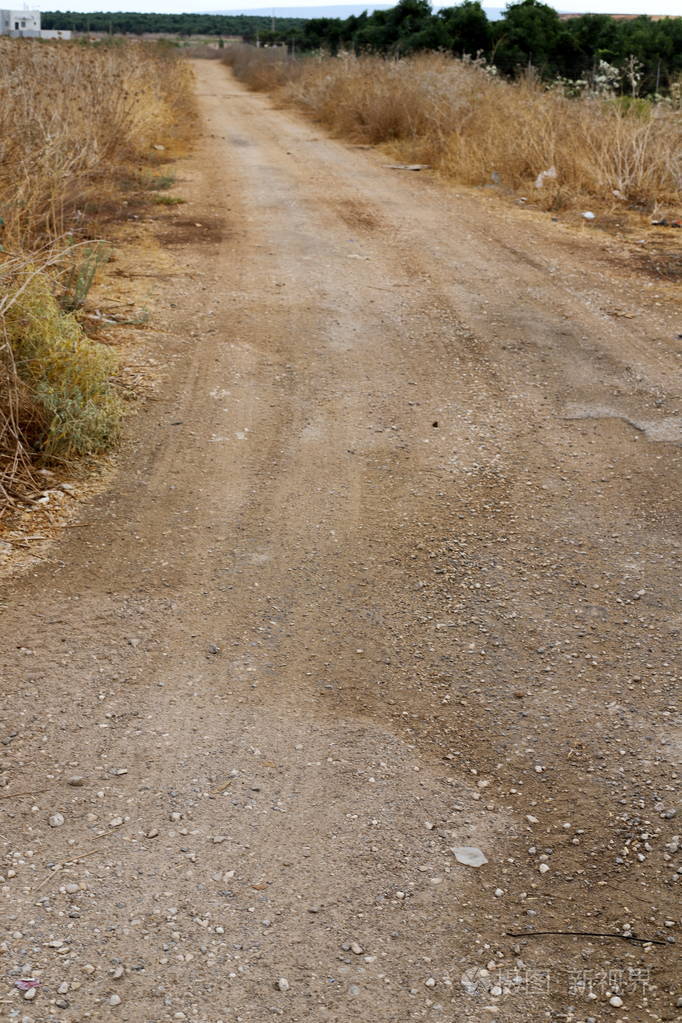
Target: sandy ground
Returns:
[[392, 567]]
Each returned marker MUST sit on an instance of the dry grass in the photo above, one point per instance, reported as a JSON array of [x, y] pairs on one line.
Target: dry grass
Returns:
[[75, 121], [72, 117], [63, 402], [476, 128]]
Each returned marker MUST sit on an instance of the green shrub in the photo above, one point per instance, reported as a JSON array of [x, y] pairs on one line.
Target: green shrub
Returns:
[[67, 377]]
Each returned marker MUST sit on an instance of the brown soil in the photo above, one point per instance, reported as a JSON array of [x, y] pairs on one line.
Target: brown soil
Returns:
[[392, 566]]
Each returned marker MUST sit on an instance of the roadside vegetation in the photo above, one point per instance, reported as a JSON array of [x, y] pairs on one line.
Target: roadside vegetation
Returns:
[[528, 33], [78, 123], [565, 143]]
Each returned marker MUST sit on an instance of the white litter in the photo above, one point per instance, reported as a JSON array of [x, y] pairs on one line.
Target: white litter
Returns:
[[469, 855]]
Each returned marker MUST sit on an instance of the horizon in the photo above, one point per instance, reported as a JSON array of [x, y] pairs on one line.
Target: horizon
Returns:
[[662, 7]]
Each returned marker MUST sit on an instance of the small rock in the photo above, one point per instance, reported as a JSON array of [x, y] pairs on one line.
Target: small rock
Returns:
[[56, 820], [153, 833], [116, 822], [115, 1000], [543, 868], [30, 994], [118, 972], [356, 949], [615, 1001], [431, 982], [282, 984], [76, 780]]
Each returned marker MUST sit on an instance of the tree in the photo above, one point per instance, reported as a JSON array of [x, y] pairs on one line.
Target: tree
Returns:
[[528, 33], [467, 27]]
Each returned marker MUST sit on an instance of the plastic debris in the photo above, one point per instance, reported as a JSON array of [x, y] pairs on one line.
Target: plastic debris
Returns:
[[588, 215], [409, 166], [27, 983], [546, 175], [469, 855]]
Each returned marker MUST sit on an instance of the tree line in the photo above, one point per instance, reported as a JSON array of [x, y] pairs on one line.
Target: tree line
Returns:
[[529, 33], [127, 23]]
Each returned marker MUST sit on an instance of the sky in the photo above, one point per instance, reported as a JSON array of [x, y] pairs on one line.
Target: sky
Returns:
[[195, 6]]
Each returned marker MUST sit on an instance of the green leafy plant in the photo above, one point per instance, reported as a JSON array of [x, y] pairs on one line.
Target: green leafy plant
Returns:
[[82, 275], [65, 378]]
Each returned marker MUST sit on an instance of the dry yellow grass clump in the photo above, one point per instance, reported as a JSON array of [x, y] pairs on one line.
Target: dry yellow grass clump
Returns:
[[75, 119], [71, 117], [476, 127]]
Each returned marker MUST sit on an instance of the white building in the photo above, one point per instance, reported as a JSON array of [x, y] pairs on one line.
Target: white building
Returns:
[[27, 23], [20, 23]]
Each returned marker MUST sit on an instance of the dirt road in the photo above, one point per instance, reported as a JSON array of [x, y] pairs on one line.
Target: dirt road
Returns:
[[392, 567]]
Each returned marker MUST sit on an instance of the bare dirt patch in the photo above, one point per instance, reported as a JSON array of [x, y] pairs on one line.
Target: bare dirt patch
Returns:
[[357, 215], [185, 231]]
